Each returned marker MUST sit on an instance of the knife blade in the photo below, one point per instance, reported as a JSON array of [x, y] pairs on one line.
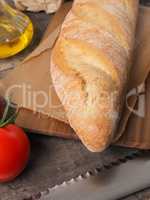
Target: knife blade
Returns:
[[107, 184]]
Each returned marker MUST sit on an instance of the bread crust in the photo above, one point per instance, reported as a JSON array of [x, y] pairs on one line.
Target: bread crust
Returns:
[[49, 6], [90, 65]]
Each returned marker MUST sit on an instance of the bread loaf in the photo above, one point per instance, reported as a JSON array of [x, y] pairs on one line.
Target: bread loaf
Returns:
[[90, 64], [49, 6]]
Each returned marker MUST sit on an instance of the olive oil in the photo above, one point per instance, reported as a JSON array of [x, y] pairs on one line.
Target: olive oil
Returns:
[[16, 30]]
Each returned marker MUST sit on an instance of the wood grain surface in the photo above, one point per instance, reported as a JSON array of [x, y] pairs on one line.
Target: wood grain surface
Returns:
[[46, 167]]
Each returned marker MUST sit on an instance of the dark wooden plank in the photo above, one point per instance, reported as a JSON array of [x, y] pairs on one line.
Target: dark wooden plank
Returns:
[[142, 195], [145, 2]]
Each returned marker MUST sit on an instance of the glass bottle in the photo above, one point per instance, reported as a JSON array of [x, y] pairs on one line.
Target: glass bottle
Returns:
[[16, 30]]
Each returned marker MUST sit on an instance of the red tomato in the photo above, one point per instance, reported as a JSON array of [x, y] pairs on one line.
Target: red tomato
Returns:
[[14, 152]]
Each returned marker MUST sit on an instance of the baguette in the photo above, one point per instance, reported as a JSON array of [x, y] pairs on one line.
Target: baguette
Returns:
[[90, 64]]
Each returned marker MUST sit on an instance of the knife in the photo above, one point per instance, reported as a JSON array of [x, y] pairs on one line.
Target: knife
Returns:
[[107, 184]]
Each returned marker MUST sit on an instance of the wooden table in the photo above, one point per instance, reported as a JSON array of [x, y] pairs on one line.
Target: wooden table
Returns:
[[11, 63]]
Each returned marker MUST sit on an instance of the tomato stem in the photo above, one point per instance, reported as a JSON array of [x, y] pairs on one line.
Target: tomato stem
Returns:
[[5, 111], [3, 121], [10, 120]]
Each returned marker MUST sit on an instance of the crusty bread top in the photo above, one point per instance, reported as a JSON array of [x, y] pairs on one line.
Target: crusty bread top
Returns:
[[90, 64]]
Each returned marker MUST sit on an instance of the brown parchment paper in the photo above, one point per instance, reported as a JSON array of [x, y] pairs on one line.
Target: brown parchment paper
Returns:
[[50, 119]]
